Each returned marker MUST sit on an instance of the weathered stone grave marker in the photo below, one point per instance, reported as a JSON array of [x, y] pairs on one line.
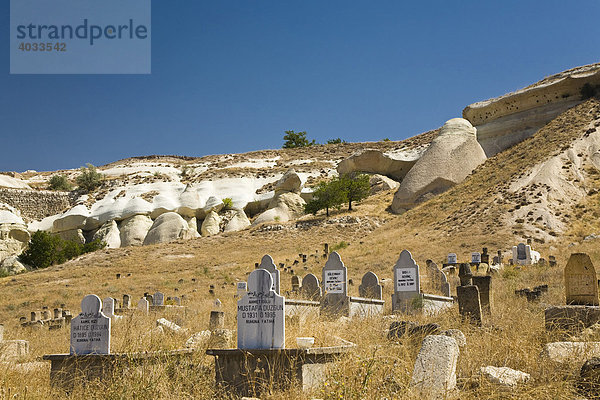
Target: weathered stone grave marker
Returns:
[[407, 283], [242, 289], [485, 256], [90, 330], [484, 284], [143, 305], [469, 304], [158, 299], [268, 264], [126, 301], [475, 258], [295, 283], [310, 288], [261, 314], [452, 259], [581, 282], [370, 287]]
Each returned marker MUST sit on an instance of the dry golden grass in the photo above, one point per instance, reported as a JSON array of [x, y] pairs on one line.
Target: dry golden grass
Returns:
[[512, 336]]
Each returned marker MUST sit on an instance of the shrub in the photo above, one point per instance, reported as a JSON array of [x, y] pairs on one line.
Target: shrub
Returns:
[[335, 141], [296, 139], [227, 203], [340, 245], [89, 179], [46, 249], [59, 182]]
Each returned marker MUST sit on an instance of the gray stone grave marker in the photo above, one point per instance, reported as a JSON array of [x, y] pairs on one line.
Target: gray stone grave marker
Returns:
[[143, 305], [126, 301], [310, 287], [268, 264], [469, 304], [90, 330], [242, 289], [158, 299], [581, 282], [475, 258], [452, 259], [370, 287], [261, 314], [484, 284], [295, 283], [407, 283]]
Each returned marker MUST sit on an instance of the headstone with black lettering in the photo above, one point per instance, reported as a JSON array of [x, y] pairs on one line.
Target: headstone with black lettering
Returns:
[[475, 258], [90, 330], [261, 314], [335, 299], [452, 259], [268, 264], [407, 283], [242, 289]]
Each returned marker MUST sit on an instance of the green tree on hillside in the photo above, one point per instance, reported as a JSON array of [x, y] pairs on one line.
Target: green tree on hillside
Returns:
[[296, 139], [356, 187], [327, 195], [336, 141], [59, 182], [46, 249]]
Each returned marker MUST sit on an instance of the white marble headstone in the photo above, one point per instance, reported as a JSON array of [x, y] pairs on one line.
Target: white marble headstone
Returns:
[[268, 264], [407, 283], [159, 299], [334, 276], [452, 259], [261, 314], [143, 305], [476, 258], [90, 330]]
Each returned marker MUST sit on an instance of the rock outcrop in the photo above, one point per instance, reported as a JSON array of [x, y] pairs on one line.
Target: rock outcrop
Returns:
[[109, 234], [168, 227], [11, 266], [289, 182], [238, 222], [210, 225], [13, 232], [381, 183], [393, 165], [75, 218], [282, 208], [452, 155], [509, 119], [133, 230]]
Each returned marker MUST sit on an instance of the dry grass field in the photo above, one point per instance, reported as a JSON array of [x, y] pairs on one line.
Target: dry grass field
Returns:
[[370, 238]]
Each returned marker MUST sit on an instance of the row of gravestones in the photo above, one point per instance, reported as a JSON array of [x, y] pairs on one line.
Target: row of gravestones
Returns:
[[59, 318], [522, 254]]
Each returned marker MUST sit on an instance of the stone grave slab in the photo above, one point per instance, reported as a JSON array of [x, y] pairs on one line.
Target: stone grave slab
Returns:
[[268, 264], [370, 287], [581, 282], [310, 288], [407, 283], [335, 299], [90, 330]]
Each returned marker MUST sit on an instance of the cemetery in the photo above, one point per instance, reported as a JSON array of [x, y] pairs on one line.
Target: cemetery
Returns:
[[283, 332]]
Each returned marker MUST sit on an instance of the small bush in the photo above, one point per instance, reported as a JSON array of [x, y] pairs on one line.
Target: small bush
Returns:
[[296, 139], [46, 249], [89, 179], [227, 203], [340, 245], [335, 141], [59, 182]]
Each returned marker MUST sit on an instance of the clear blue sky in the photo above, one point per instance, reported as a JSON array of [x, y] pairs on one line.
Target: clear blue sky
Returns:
[[231, 76]]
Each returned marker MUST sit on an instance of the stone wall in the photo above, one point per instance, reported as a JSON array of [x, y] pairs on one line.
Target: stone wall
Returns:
[[36, 204]]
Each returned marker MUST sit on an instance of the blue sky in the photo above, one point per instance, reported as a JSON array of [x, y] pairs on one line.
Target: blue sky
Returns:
[[232, 76]]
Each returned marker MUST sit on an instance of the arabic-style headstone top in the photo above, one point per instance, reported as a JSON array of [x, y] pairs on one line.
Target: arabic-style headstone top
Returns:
[[268, 264], [261, 314], [90, 330], [334, 277]]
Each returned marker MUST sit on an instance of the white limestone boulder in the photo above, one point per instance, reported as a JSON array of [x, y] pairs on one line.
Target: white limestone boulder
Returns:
[[75, 218], [168, 227], [504, 376], [212, 204], [133, 230], [189, 202], [289, 182], [11, 266], [210, 225], [109, 234], [394, 165], [73, 235], [238, 222], [381, 183], [14, 235], [450, 158], [283, 208]]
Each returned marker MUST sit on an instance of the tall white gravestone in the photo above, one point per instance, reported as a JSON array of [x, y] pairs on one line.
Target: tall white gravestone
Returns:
[[476, 258], [407, 283], [268, 264], [335, 286], [261, 314], [90, 330]]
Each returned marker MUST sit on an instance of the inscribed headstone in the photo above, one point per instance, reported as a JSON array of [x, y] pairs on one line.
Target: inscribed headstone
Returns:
[[268, 264], [469, 304], [434, 373], [452, 259], [335, 299], [143, 305], [407, 283], [90, 330], [476, 258], [370, 287], [126, 301], [242, 289], [261, 314], [581, 283], [108, 307]]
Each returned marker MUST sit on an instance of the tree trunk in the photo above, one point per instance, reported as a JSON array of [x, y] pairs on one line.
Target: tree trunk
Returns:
[[349, 205], [327, 211]]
